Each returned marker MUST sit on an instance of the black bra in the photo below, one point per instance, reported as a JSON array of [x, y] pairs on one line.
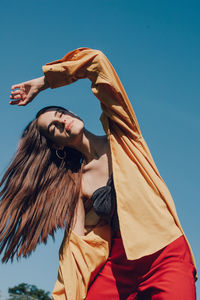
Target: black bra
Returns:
[[104, 203]]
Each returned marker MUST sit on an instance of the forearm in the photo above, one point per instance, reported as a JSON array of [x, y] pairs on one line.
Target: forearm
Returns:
[[43, 83], [71, 67]]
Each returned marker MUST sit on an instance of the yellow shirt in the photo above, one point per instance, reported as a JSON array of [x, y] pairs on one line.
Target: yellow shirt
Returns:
[[147, 215]]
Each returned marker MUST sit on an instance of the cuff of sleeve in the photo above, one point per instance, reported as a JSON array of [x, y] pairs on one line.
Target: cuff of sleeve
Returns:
[[54, 78]]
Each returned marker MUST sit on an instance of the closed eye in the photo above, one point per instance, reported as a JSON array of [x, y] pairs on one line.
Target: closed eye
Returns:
[[56, 126]]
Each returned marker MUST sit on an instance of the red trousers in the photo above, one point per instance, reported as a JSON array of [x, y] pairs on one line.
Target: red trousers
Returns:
[[167, 274]]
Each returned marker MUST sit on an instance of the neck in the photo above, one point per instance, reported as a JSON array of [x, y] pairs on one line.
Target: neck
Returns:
[[91, 145]]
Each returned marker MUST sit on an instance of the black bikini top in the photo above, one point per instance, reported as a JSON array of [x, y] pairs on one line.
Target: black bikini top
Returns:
[[104, 203]]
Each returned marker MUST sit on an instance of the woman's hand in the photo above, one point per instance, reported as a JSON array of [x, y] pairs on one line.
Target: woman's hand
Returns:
[[25, 92]]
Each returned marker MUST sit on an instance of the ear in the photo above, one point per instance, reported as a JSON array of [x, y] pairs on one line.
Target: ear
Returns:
[[56, 147]]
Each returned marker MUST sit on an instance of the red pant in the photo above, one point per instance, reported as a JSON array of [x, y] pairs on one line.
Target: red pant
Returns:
[[166, 274]]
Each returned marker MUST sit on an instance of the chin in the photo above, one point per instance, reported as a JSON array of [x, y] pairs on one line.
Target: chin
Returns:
[[78, 128]]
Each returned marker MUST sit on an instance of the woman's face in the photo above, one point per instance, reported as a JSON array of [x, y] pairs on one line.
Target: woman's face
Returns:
[[62, 127]]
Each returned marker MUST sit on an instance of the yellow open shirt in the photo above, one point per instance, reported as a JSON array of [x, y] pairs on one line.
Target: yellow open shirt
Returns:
[[147, 215]]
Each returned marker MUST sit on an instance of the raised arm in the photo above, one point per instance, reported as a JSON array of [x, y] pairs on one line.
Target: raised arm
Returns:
[[106, 85], [91, 64]]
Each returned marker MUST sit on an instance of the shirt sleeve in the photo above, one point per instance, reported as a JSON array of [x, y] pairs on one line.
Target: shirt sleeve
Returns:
[[106, 85]]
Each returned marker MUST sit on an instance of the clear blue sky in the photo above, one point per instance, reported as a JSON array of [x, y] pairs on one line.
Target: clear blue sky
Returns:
[[154, 46]]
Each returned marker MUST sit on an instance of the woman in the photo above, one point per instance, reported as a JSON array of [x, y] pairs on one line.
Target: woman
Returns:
[[126, 245]]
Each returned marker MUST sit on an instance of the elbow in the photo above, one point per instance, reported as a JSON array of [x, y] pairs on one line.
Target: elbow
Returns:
[[100, 56], [100, 63]]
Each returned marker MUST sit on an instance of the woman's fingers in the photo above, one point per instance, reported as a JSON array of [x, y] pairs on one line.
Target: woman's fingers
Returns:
[[19, 102], [17, 86], [15, 92], [13, 102], [18, 99], [23, 103], [16, 96], [25, 92]]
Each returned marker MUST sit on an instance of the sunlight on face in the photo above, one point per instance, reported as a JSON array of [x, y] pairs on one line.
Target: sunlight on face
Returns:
[[62, 127]]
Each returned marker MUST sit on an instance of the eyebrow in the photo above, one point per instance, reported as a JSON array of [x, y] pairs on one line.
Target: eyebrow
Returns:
[[51, 123]]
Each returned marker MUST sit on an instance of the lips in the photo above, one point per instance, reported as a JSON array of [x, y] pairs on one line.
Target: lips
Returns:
[[69, 125]]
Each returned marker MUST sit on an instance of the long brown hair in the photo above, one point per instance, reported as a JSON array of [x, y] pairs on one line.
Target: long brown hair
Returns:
[[39, 193]]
